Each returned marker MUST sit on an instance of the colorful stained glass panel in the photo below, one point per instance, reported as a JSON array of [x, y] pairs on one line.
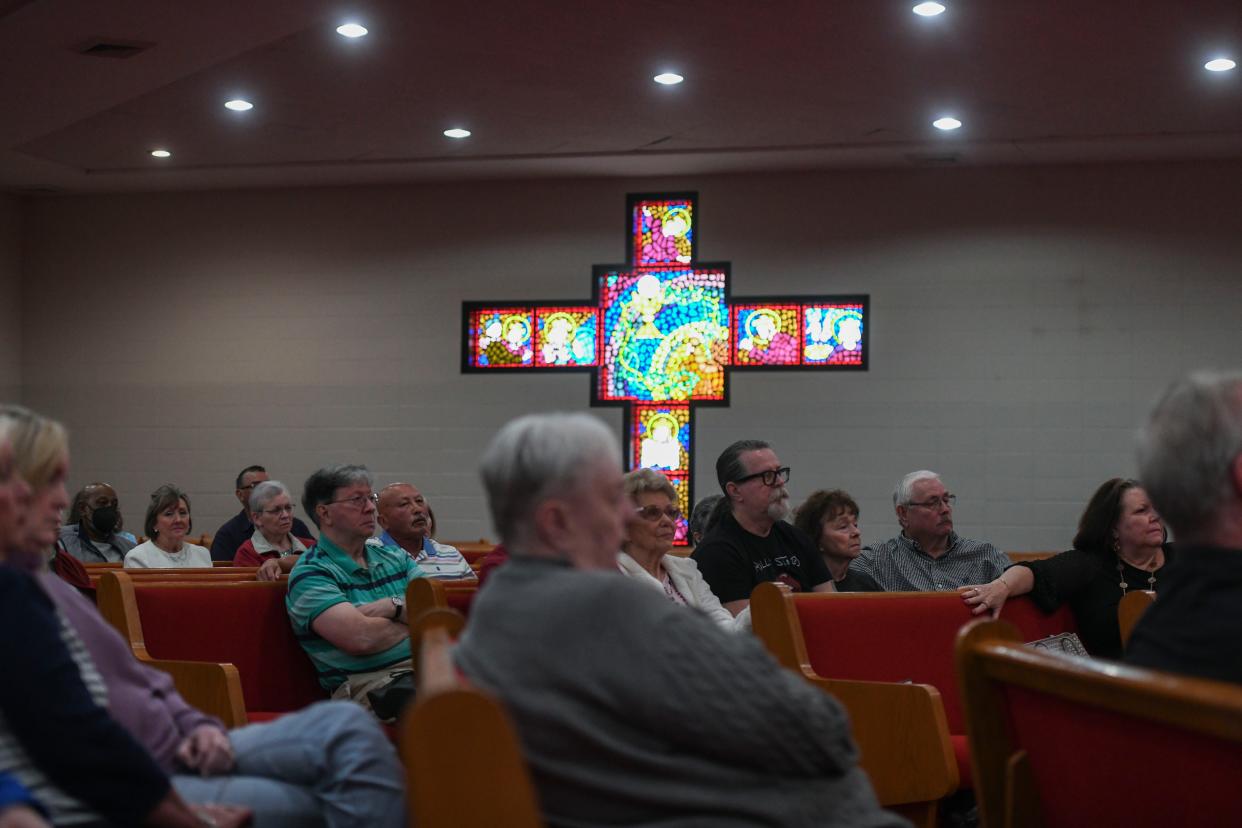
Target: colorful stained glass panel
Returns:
[[501, 338], [565, 336], [665, 336], [833, 334], [663, 232], [661, 438], [767, 334]]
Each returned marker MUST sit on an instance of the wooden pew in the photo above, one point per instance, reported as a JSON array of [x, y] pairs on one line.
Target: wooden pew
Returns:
[[232, 573], [451, 728], [901, 731], [890, 637], [1131, 609], [1059, 741], [238, 625], [423, 594], [1022, 557]]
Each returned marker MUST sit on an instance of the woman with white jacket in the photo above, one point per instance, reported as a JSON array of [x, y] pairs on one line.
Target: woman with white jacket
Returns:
[[649, 540]]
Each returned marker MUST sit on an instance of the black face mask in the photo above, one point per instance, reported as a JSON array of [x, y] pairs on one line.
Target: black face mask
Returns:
[[103, 520]]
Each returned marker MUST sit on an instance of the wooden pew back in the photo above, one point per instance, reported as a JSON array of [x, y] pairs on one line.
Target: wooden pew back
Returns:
[[452, 728], [1059, 741], [240, 623], [887, 636], [423, 594]]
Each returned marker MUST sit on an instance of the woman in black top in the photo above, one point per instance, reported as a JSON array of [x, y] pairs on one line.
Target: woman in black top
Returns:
[[1120, 546]]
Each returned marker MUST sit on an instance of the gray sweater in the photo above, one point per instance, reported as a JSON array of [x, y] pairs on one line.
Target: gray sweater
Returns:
[[634, 711]]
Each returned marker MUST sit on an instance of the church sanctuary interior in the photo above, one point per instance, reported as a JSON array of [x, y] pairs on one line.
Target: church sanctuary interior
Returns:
[[288, 282], [299, 233]]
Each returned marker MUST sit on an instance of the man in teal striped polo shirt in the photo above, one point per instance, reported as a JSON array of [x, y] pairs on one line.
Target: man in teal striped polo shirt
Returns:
[[346, 597]]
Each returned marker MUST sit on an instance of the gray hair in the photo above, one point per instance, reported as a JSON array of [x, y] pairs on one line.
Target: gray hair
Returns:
[[537, 457], [700, 515], [265, 493], [729, 466], [1186, 449], [321, 486], [649, 480], [905, 489]]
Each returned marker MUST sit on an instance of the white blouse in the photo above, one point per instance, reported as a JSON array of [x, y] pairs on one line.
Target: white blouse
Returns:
[[149, 556]]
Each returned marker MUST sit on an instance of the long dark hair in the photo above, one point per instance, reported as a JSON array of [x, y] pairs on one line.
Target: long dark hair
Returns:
[[1098, 524]]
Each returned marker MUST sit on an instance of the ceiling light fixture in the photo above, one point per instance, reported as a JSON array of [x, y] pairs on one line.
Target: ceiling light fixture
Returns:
[[946, 123], [456, 132], [238, 105], [161, 153], [1221, 64], [668, 79], [351, 30], [928, 9]]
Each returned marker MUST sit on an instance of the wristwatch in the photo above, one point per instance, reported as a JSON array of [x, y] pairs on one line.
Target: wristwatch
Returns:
[[398, 604]]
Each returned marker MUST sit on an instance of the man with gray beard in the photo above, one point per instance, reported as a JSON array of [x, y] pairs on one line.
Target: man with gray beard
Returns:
[[751, 542]]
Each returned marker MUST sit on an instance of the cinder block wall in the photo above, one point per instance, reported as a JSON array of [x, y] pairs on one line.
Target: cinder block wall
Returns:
[[1022, 321], [10, 298]]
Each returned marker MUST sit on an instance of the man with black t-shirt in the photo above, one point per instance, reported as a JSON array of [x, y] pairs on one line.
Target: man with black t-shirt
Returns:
[[751, 543]]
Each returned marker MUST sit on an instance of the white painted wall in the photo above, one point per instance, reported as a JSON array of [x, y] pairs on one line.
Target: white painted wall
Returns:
[[1022, 320], [10, 298]]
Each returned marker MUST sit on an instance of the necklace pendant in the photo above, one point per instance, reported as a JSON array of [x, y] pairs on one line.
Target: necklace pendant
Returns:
[[1124, 585]]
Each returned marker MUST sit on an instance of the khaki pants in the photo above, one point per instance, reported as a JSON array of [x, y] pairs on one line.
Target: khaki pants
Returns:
[[358, 685]]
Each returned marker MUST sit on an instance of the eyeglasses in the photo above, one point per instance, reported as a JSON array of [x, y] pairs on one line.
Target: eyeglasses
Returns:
[[936, 503], [280, 510], [654, 513], [357, 501], [771, 477]]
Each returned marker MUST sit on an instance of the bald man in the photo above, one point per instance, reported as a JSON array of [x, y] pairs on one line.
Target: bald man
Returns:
[[406, 521], [92, 536]]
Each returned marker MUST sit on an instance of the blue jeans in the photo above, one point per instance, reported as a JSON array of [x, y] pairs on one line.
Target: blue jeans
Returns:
[[328, 765]]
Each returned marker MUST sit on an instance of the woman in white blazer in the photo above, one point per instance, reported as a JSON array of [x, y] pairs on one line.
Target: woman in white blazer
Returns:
[[649, 540]]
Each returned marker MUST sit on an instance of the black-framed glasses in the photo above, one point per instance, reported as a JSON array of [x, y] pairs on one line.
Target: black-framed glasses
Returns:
[[357, 501], [771, 477], [937, 503], [654, 513]]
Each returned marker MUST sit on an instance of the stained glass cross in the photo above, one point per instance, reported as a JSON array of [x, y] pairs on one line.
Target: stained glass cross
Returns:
[[662, 334]]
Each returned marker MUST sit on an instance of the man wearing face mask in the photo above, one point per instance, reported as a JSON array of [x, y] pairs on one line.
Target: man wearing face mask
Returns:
[[750, 542], [93, 538]]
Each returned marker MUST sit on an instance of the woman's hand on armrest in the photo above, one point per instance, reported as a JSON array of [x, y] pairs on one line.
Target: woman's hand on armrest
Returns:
[[990, 597]]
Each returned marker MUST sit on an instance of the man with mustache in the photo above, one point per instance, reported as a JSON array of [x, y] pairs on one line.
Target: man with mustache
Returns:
[[406, 521], [928, 555], [751, 542], [92, 537]]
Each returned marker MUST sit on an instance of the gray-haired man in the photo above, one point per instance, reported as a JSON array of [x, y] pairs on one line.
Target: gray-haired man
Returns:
[[928, 555], [595, 668], [1190, 462]]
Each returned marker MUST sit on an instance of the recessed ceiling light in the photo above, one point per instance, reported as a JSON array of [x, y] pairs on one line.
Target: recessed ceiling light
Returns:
[[928, 9], [161, 153], [946, 123], [351, 30], [668, 78], [1219, 65], [456, 132], [238, 105]]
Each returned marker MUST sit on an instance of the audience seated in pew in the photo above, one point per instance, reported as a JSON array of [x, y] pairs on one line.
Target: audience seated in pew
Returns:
[[927, 554], [406, 520], [239, 528], [751, 543], [167, 523], [1120, 546], [272, 547], [649, 540], [91, 535], [1190, 460], [346, 597], [830, 518], [642, 713], [93, 733]]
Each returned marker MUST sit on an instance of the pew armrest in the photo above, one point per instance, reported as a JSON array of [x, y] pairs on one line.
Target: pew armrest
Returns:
[[902, 736], [213, 688]]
